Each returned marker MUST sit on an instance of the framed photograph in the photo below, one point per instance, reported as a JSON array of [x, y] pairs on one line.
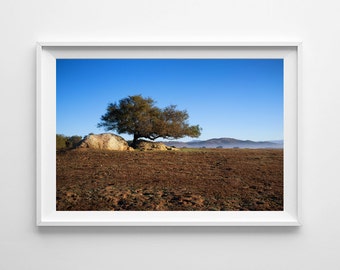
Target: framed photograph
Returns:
[[168, 134]]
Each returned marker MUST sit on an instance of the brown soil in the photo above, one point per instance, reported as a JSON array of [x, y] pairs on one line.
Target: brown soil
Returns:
[[185, 180]]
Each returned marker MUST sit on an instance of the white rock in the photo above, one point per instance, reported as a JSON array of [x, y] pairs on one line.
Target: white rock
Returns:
[[106, 141]]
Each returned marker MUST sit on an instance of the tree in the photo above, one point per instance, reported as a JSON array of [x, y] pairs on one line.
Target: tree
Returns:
[[138, 116]]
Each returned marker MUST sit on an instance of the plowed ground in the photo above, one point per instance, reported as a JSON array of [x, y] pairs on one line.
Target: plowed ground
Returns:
[[184, 180]]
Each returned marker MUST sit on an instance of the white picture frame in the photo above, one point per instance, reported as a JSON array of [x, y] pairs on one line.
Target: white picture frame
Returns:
[[48, 52]]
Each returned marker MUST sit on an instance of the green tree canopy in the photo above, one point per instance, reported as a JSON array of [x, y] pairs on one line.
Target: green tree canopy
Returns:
[[138, 116]]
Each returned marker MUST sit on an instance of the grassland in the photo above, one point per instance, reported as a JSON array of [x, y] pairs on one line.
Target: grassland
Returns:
[[184, 180]]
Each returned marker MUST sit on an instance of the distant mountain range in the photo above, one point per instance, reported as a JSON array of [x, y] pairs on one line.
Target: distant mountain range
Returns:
[[225, 143]]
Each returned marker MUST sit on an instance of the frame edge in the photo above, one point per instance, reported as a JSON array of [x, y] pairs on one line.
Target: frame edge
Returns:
[[38, 133], [40, 221]]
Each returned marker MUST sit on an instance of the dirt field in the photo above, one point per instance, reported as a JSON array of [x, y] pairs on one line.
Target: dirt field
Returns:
[[184, 180]]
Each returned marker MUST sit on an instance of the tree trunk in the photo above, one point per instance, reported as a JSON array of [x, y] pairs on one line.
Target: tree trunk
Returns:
[[135, 139]]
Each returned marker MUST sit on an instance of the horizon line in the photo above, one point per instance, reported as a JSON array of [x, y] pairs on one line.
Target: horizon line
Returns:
[[171, 140]]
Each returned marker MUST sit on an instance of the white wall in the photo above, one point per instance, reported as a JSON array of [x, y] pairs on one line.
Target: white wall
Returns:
[[315, 245]]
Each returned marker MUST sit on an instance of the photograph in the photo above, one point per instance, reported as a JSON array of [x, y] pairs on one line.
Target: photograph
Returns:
[[170, 134]]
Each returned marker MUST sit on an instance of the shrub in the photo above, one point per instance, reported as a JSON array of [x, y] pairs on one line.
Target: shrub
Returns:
[[64, 142]]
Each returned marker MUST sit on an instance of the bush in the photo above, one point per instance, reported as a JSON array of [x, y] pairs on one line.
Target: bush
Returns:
[[61, 141], [64, 142], [73, 141]]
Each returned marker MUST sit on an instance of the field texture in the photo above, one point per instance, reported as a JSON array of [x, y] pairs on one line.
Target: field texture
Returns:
[[184, 180]]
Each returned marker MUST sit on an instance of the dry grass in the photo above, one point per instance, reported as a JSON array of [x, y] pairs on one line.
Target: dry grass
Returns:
[[204, 179]]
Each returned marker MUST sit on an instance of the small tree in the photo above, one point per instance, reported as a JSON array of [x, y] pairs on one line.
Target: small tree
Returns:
[[60, 141], [140, 117]]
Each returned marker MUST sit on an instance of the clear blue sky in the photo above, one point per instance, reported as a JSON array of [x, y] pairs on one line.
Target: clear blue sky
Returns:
[[236, 98]]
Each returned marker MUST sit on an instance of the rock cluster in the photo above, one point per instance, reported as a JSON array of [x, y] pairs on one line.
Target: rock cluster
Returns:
[[109, 141], [149, 146]]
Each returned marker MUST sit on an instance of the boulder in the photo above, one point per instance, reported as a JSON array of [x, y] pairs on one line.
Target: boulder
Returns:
[[149, 146], [106, 141]]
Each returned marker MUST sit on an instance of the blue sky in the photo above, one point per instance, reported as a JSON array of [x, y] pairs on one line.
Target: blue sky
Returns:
[[236, 98]]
